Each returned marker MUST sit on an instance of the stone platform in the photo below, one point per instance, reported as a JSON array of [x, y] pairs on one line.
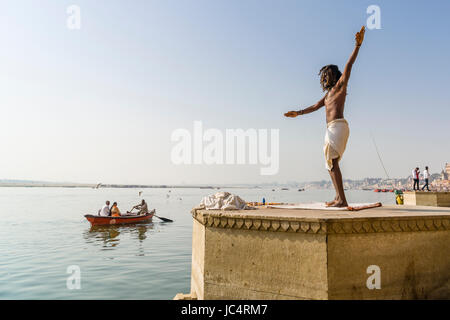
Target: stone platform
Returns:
[[313, 254], [427, 198]]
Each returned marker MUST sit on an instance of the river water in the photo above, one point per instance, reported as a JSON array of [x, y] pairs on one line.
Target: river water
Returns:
[[44, 238]]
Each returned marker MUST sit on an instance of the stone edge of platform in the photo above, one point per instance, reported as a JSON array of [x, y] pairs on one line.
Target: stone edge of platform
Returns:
[[219, 219], [426, 192], [185, 296]]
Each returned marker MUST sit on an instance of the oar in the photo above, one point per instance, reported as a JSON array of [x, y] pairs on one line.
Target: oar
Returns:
[[131, 210], [162, 218]]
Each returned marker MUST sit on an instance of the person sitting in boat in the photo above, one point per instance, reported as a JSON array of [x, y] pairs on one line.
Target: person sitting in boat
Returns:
[[115, 212], [143, 208], [104, 211]]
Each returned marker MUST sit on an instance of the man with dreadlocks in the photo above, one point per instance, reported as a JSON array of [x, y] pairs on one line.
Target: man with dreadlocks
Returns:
[[335, 85]]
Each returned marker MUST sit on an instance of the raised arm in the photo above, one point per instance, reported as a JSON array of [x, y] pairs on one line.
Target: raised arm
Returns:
[[315, 107], [359, 38]]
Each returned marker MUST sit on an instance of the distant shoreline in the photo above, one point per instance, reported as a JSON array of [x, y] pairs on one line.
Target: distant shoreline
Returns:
[[119, 186]]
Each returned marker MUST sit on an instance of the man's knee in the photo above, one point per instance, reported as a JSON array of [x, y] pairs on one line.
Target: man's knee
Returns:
[[335, 163]]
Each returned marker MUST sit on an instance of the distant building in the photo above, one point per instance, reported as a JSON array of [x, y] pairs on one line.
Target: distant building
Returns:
[[444, 175], [443, 184]]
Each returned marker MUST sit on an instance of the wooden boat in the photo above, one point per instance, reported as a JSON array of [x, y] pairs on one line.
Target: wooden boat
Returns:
[[97, 220]]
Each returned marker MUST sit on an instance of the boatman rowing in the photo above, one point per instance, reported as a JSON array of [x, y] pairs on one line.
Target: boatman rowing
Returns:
[[336, 136], [142, 207]]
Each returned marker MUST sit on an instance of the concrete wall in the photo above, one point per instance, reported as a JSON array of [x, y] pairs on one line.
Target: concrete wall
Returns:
[[443, 199], [198, 260], [310, 254], [423, 198], [264, 265], [413, 265]]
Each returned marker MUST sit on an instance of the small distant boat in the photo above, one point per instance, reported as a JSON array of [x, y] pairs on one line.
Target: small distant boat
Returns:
[[97, 220], [383, 190]]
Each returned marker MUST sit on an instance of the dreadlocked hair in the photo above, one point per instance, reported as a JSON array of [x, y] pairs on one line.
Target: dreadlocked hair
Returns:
[[329, 76]]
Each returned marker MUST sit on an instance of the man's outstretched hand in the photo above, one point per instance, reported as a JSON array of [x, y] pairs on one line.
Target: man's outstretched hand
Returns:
[[291, 114], [359, 36]]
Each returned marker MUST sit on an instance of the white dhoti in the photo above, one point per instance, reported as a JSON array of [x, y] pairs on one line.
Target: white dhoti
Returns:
[[335, 141]]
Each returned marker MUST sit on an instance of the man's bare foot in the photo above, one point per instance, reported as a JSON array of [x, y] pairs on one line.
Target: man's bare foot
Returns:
[[329, 203], [339, 204]]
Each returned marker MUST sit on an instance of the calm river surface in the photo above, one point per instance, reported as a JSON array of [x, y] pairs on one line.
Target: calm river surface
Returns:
[[43, 232]]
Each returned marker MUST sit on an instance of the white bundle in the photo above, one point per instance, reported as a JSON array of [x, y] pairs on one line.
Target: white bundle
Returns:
[[223, 201]]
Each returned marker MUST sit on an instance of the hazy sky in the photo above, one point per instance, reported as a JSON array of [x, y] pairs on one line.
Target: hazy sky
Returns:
[[99, 104]]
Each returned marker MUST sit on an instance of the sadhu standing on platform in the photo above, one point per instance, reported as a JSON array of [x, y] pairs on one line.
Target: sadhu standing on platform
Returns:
[[335, 84]]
